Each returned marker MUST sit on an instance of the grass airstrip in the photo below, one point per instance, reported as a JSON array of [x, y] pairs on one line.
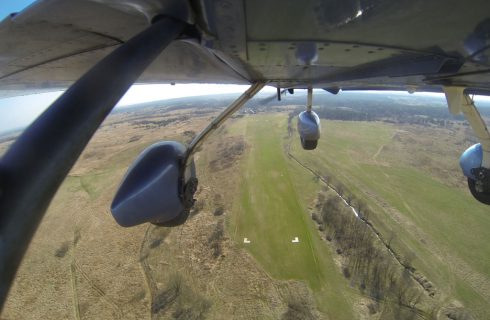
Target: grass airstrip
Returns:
[[272, 210]]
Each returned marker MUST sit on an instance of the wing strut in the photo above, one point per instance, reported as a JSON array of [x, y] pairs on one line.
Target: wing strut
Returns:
[[35, 165]]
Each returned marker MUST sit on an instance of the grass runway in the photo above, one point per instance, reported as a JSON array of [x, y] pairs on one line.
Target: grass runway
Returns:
[[272, 211]]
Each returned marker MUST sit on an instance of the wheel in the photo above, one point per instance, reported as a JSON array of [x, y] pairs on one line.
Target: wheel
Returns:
[[190, 189], [309, 144], [483, 197], [177, 221]]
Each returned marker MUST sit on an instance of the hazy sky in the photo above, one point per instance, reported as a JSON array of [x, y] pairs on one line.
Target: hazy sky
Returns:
[[18, 112]]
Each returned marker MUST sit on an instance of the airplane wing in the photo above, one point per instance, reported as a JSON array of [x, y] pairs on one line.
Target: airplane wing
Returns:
[[336, 44], [413, 45]]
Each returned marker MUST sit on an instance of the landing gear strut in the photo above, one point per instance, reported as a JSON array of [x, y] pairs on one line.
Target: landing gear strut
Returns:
[[159, 186], [309, 125], [475, 161], [480, 187]]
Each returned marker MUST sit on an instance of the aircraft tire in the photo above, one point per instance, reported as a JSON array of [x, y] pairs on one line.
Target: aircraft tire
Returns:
[[177, 221], [483, 197], [309, 144]]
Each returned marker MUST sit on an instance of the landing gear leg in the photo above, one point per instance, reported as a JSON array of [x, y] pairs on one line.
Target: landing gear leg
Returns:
[[309, 125], [475, 161], [228, 112], [159, 186]]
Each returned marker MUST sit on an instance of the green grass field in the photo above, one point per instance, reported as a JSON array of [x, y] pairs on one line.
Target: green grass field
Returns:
[[441, 228], [272, 211], [436, 223]]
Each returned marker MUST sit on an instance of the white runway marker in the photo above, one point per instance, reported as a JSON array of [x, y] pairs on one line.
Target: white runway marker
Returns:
[[295, 240], [245, 240]]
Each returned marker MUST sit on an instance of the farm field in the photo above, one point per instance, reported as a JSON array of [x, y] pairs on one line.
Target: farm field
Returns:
[[410, 178], [82, 265]]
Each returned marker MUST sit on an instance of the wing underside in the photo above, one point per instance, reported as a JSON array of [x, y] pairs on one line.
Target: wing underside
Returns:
[[337, 44]]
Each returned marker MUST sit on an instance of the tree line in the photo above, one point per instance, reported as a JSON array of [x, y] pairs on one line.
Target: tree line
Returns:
[[365, 261]]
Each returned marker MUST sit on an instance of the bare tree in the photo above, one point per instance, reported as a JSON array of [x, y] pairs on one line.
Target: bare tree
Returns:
[[340, 188], [349, 197], [390, 238], [321, 197], [361, 206], [408, 259], [326, 179]]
